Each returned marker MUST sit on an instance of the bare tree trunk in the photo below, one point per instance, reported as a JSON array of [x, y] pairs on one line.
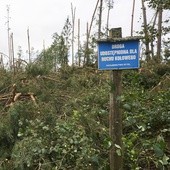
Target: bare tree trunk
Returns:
[[73, 26], [9, 40], [159, 35], [100, 18], [133, 10], [152, 36], [86, 58], [110, 6], [107, 26], [146, 34], [79, 42], [93, 17], [55, 63], [89, 30], [12, 53], [44, 55], [1, 62], [29, 49]]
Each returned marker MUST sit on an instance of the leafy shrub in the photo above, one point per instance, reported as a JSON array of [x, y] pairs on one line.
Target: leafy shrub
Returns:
[[68, 128], [36, 70], [146, 127], [62, 145], [162, 69]]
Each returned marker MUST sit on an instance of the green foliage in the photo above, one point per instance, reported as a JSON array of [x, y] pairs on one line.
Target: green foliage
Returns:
[[162, 69], [6, 80], [6, 137], [156, 3], [57, 54], [53, 146], [68, 127], [36, 70], [145, 120]]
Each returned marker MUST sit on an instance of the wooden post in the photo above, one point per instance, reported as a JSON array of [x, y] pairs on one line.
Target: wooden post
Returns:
[[115, 118]]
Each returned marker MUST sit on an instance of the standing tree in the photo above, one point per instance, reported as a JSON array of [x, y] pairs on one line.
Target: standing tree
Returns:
[[100, 18], [159, 34], [57, 54], [9, 39], [155, 30], [132, 21], [145, 30], [110, 4], [73, 11]]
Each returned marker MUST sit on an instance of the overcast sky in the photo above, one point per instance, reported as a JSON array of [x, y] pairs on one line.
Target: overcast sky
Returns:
[[45, 17]]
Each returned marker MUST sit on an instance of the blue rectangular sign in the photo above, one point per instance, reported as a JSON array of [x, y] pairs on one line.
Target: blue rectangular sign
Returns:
[[118, 55]]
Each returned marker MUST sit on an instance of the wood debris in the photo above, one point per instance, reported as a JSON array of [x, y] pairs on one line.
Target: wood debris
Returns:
[[10, 98]]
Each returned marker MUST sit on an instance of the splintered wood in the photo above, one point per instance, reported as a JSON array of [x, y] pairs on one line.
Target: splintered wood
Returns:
[[13, 96]]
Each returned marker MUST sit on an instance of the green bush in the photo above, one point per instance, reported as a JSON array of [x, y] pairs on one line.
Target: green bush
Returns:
[[62, 145], [36, 70]]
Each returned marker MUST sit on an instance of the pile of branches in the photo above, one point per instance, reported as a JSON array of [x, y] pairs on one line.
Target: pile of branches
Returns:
[[8, 99]]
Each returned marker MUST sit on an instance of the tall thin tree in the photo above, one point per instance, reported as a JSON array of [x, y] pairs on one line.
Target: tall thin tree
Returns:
[[159, 35], [29, 49], [9, 40], [153, 34], [89, 31], [1, 62], [12, 52], [146, 34], [79, 43], [100, 18], [73, 12], [87, 58], [110, 6], [93, 16], [132, 20]]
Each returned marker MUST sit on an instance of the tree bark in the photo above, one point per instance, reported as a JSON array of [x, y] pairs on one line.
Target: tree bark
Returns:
[[93, 17], [79, 56], [115, 117], [152, 36], [146, 34], [133, 9], [73, 11], [159, 35], [100, 18]]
